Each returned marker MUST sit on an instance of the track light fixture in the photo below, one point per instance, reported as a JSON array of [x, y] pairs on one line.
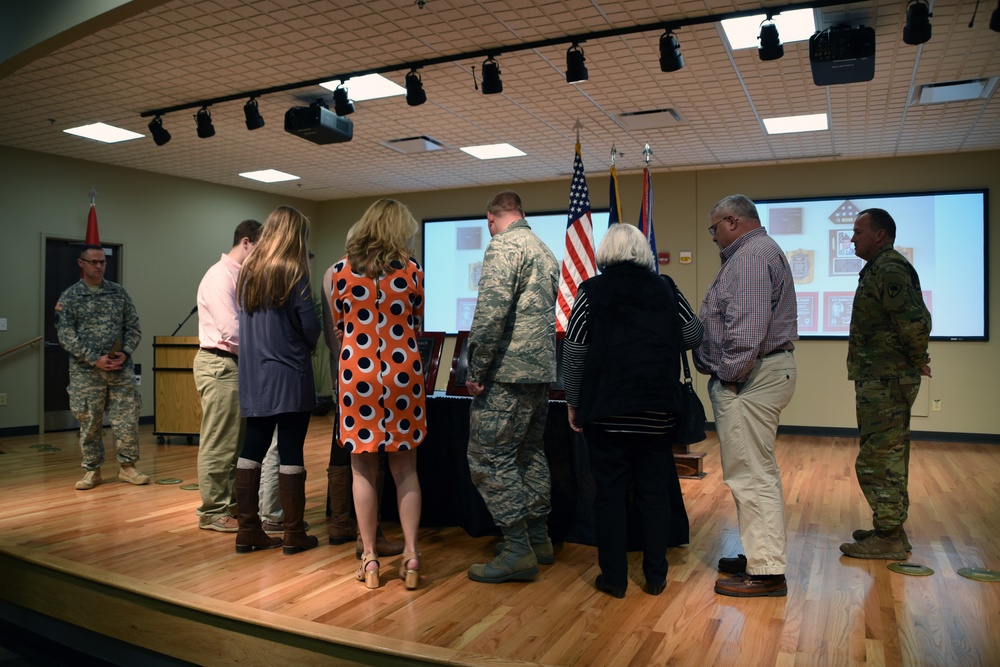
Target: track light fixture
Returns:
[[671, 59], [576, 71], [254, 119], [491, 77], [342, 105], [995, 19], [415, 95], [918, 26], [160, 134], [204, 121], [770, 47]]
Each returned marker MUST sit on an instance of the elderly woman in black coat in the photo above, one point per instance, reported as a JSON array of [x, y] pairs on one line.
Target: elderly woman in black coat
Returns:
[[621, 365]]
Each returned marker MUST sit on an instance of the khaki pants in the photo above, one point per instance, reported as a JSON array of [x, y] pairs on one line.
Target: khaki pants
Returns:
[[747, 423], [222, 432]]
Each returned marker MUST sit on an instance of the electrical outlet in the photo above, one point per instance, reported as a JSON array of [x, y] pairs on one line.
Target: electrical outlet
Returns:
[[936, 406], [3, 399], [3, 323]]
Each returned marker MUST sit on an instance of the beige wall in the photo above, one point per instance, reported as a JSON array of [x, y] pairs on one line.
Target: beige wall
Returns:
[[173, 229]]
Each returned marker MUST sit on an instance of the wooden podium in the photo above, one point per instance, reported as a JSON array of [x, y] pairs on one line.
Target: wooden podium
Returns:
[[178, 405]]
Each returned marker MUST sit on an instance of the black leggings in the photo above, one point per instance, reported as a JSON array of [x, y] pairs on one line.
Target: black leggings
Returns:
[[292, 428]]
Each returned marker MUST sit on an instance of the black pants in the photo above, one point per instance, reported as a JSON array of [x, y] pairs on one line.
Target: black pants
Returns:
[[647, 462], [292, 428]]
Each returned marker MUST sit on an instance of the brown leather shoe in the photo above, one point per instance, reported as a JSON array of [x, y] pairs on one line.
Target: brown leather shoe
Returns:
[[750, 586]]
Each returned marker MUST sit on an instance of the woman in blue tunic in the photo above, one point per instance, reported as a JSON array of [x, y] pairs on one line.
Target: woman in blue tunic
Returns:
[[278, 333]]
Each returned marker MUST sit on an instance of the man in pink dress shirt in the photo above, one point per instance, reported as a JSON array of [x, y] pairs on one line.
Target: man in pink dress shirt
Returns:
[[215, 376]]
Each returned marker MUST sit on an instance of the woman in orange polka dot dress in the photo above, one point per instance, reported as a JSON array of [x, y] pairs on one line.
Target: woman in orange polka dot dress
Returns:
[[378, 302]]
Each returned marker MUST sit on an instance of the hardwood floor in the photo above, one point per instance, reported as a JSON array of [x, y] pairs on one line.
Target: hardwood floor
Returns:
[[131, 562]]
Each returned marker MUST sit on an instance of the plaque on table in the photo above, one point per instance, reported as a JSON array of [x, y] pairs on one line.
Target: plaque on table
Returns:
[[459, 366], [430, 344], [556, 390]]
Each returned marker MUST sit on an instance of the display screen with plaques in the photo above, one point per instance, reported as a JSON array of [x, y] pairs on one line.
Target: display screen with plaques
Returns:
[[943, 234], [460, 368]]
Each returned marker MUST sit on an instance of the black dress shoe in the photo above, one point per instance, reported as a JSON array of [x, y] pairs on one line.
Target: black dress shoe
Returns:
[[613, 591], [655, 588], [736, 565]]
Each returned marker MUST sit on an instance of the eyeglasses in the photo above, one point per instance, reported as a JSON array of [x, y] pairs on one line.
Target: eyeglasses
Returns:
[[712, 230], [94, 262]]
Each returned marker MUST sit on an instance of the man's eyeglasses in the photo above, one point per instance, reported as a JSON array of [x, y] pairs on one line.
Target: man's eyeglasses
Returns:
[[94, 262], [712, 230]]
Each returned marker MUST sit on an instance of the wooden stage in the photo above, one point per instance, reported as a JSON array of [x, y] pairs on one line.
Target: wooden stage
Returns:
[[130, 563]]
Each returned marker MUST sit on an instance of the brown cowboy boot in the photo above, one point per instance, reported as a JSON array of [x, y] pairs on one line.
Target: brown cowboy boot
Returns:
[[250, 535], [342, 527], [292, 488]]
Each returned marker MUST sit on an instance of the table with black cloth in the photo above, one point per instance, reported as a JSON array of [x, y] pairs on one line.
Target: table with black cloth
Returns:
[[450, 499]]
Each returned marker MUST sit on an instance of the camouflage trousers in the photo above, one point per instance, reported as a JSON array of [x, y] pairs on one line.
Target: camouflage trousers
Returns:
[[882, 466], [507, 453], [89, 397]]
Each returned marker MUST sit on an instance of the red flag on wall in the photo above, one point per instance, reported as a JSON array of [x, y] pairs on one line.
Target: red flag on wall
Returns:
[[92, 236]]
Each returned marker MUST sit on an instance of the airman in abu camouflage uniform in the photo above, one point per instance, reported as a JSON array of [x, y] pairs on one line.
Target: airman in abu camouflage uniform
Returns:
[[511, 361], [98, 326], [887, 354]]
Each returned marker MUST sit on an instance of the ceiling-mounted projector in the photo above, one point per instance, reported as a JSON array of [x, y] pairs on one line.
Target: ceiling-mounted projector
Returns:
[[318, 124], [842, 54]]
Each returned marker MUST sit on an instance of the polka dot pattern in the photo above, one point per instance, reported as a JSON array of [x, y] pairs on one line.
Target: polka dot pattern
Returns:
[[381, 392]]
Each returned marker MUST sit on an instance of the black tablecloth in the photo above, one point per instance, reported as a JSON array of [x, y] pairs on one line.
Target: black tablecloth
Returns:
[[450, 499]]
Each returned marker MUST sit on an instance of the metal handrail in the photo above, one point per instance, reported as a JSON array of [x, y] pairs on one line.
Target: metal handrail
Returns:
[[18, 347]]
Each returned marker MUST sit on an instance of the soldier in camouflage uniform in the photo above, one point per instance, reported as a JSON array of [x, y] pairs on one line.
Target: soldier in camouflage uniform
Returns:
[[99, 328], [887, 354], [511, 362]]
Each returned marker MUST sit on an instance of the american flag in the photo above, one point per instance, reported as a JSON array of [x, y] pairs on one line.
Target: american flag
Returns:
[[578, 260], [615, 215], [646, 212]]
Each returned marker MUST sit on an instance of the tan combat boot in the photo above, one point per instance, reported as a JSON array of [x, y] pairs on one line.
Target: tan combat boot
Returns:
[[90, 479], [129, 473]]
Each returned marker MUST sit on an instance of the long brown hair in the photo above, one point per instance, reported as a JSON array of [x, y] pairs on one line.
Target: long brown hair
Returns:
[[381, 236], [277, 264]]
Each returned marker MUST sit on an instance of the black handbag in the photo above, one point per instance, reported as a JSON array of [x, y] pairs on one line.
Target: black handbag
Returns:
[[691, 419]]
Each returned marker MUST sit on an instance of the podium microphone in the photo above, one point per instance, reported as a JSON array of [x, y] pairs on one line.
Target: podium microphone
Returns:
[[193, 311]]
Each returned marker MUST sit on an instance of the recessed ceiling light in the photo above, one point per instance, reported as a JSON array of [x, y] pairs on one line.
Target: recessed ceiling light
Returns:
[[493, 151], [809, 123], [108, 134], [956, 91], [269, 176], [368, 87], [794, 26]]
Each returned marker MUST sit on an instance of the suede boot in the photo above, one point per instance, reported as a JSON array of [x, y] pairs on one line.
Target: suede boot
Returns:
[[538, 536], [342, 527], [383, 545], [292, 487], [250, 535], [885, 545], [516, 562], [859, 535]]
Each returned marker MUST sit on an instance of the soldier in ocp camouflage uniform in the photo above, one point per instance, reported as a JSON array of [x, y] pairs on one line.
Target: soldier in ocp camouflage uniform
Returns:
[[887, 354], [511, 362], [93, 317]]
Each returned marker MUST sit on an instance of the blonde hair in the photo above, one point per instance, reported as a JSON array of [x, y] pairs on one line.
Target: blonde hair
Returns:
[[380, 237], [277, 264], [625, 243]]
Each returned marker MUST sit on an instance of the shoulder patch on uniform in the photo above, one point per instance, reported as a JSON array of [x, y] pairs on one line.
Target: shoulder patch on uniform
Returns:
[[893, 290]]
